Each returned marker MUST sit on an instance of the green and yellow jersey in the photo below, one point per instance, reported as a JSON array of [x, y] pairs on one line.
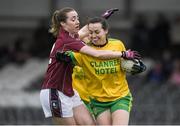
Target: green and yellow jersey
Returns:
[[103, 79], [79, 83]]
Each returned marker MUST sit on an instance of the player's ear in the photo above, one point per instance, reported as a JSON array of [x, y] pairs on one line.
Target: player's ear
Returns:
[[62, 24], [106, 31]]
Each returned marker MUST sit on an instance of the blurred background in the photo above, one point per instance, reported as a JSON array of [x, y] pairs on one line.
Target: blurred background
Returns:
[[151, 27]]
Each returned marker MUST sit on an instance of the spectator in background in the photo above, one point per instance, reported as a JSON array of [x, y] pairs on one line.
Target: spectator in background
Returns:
[[4, 54], [43, 40], [162, 68], [139, 35], [175, 36], [156, 74], [175, 76], [160, 35], [175, 30], [167, 63], [18, 53]]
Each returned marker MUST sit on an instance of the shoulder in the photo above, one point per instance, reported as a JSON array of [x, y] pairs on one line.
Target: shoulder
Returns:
[[115, 41]]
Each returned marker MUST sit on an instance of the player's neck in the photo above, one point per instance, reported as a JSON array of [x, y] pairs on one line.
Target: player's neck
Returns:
[[101, 44]]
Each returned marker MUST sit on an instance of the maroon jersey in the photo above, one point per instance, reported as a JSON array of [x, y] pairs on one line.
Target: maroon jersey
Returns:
[[59, 74]]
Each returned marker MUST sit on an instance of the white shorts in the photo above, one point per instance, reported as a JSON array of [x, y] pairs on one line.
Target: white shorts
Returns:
[[56, 104]]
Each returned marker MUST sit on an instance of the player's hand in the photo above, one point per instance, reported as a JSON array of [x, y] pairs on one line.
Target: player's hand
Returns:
[[63, 57], [139, 67], [130, 55], [109, 12]]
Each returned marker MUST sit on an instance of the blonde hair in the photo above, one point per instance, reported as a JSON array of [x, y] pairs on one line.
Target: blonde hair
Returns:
[[58, 17]]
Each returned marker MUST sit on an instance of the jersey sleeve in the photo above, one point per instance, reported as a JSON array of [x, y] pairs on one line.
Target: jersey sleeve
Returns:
[[122, 46], [75, 45]]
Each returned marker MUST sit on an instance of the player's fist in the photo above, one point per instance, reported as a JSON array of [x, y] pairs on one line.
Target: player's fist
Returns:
[[130, 55], [63, 57], [109, 12]]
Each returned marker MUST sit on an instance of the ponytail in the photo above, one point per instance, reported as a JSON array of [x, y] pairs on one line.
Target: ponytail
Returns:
[[55, 24], [58, 17]]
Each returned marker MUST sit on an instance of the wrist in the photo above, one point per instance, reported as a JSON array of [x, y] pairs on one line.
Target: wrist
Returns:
[[123, 54]]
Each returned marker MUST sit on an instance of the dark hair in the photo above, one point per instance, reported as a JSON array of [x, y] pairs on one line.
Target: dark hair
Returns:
[[58, 17], [104, 23]]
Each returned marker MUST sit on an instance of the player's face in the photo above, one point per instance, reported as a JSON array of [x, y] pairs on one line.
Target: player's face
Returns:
[[72, 23], [97, 33]]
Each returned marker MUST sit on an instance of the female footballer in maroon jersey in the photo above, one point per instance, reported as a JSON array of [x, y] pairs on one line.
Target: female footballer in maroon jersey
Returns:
[[59, 100]]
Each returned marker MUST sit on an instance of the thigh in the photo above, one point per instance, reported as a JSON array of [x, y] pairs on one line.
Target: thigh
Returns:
[[63, 121], [88, 106], [82, 115], [120, 117], [120, 110], [104, 118]]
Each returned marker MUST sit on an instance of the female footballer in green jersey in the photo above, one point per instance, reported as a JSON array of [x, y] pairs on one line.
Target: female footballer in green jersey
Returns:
[[104, 84]]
